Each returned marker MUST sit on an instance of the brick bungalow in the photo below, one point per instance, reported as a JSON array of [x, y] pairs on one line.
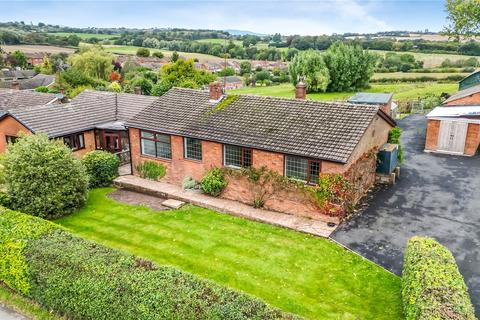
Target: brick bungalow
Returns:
[[92, 120], [190, 131]]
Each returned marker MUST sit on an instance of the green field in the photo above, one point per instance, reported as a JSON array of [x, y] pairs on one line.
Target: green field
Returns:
[[402, 91], [219, 41], [414, 75], [431, 60], [86, 35], [298, 273], [187, 55]]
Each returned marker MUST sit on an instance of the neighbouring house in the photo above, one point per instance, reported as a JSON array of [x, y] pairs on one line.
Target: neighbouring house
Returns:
[[467, 96], [453, 130], [39, 80], [7, 74], [191, 131], [231, 82], [384, 100], [35, 58], [92, 120], [469, 81]]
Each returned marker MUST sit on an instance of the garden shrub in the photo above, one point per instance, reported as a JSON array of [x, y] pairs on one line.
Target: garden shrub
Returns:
[[151, 170], [432, 286], [189, 183], [101, 167], [394, 137], [16, 229], [80, 279], [43, 177], [213, 182]]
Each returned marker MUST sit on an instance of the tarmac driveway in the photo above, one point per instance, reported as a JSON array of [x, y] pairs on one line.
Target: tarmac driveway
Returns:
[[436, 195]]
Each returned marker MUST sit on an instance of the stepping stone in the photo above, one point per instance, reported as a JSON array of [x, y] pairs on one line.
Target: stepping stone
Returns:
[[172, 203]]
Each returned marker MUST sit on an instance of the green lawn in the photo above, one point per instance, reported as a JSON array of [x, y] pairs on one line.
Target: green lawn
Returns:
[[402, 91], [298, 273], [23, 305]]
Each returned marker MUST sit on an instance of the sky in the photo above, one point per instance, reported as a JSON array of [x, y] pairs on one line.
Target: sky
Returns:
[[305, 17]]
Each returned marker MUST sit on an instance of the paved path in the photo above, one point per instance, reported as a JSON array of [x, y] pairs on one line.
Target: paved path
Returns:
[[167, 190], [436, 195], [8, 314]]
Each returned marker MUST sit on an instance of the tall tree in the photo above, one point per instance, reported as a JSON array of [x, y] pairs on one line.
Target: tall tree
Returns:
[[94, 61], [463, 17], [310, 66], [350, 67]]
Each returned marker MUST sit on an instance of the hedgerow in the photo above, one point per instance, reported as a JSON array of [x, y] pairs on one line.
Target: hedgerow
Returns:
[[16, 230], [80, 279], [432, 286]]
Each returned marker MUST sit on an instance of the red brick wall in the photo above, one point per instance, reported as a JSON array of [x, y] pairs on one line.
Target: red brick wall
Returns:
[[10, 127], [472, 99], [473, 139], [433, 129], [89, 139]]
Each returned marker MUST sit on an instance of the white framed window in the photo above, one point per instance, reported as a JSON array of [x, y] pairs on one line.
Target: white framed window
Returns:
[[192, 148]]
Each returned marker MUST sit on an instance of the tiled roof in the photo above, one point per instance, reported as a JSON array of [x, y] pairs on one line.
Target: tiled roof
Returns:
[[84, 112], [464, 93], [307, 128], [10, 99]]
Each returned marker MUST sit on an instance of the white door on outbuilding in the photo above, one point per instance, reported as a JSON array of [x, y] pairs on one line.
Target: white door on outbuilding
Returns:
[[452, 136]]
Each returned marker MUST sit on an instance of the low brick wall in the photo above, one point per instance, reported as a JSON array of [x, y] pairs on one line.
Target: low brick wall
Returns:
[[294, 202]]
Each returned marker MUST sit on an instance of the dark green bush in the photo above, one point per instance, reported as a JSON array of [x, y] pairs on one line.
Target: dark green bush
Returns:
[[432, 286], [43, 177], [83, 280], [213, 182], [102, 168], [151, 170]]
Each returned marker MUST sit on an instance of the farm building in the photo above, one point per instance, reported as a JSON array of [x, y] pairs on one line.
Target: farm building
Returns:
[[453, 130], [384, 100], [469, 81]]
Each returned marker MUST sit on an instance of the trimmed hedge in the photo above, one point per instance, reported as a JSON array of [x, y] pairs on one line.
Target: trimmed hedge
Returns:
[[84, 280], [102, 168], [432, 286]]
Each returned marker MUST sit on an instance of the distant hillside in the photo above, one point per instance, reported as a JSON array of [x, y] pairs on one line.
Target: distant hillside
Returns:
[[235, 32]]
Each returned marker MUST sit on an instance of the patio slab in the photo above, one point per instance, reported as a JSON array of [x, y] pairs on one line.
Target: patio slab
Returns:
[[195, 197]]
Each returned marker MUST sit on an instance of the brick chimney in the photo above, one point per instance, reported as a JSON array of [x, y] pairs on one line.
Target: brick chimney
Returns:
[[15, 85], [216, 91], [301, 90], [137, 90]]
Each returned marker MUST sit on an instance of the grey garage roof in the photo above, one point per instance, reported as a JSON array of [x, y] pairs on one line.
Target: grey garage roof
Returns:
[[85, 112], [371, 98], [307, 128]]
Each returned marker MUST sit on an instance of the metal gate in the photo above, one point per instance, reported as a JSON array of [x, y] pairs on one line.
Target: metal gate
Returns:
[[452, 136]]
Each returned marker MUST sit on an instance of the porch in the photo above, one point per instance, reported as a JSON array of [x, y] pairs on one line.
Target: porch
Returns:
[[113, 137]]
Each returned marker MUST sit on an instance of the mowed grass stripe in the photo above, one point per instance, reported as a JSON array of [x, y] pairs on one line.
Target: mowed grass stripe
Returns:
[[298, 273]]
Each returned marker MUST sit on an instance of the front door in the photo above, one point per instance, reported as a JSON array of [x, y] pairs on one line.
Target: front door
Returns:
[[113, 142], [452, 136]]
